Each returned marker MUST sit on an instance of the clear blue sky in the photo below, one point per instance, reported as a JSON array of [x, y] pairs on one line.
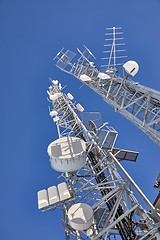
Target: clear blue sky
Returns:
[[31, 33]]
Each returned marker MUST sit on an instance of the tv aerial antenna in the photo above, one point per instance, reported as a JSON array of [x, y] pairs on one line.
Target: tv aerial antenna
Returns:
[[96, 194], [137, 103], [114, 49]]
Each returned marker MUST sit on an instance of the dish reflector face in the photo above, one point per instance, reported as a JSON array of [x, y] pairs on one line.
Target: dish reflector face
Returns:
[[85, 78], [131, 67], [53, 113], [103, 76], [55, 96], [80, 216]]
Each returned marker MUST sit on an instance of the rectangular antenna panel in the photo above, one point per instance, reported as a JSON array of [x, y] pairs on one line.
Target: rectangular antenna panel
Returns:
[[106, 138], [53, 195], [63, 191], [65, 59], [42, 199]]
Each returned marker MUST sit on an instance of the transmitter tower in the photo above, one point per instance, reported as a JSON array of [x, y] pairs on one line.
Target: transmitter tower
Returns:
[[98, 198], [139, 104]]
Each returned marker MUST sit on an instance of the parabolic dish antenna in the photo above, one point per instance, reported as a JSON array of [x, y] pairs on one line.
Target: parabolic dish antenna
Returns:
[[85, 78], [103, 76], [80, 216], [131, 67]]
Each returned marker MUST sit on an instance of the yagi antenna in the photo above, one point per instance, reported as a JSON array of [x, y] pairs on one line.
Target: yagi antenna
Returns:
[[89, 52], [82, 54], [57, 55], [113, 48], [50, 79]]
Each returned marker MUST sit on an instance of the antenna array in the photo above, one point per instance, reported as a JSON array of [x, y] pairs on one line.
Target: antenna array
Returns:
[[114, 51], [97, 196], [139, 104], [96, 199]]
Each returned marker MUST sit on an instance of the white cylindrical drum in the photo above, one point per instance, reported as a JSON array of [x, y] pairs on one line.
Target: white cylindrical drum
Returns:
[[55, 96], [80, 216], [67, 154]]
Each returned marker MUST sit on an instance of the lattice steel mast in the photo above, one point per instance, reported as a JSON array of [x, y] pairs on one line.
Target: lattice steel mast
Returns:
[[97, 202], [139, 104]]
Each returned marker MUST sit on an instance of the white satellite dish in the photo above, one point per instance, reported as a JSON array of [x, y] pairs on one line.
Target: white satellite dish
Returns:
[[131, 67], [103, 76], [55, 96], [53, 113], [85, 78], [80, 216]]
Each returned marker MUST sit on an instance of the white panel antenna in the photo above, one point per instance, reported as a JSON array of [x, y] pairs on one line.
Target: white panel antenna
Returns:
[[42, 199], [79, 107], [64, 193], [53, 195], [70, 96]]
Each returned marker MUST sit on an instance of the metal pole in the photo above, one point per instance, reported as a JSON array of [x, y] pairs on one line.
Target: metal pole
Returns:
[[136, 187]]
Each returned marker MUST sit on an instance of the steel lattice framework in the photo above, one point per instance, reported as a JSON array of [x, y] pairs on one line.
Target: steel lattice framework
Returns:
[[102, 182], [139, 104]]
